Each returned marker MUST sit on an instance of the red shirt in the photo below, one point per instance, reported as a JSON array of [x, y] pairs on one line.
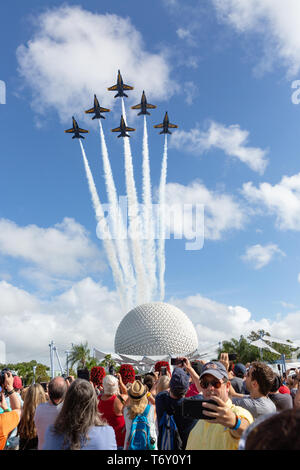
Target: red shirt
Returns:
[[106, 407], [192, 391]]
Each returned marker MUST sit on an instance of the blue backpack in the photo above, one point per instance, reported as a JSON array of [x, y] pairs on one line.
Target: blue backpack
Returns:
[[169, 435], [139, 438]]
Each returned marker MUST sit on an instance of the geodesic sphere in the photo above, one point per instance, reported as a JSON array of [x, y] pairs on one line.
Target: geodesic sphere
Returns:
[[156, 329]]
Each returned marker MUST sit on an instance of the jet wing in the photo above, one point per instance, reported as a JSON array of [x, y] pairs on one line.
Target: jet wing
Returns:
[[150, 106], [127, 87], [129, 129], [137, 106], [172, 126], [117, 129], [104, 110], [159, 126], [70, 131], [90, 111], [82, 131], [113, 88]]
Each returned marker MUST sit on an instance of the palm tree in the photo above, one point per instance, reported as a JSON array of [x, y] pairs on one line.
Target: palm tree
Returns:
[[80, 355]]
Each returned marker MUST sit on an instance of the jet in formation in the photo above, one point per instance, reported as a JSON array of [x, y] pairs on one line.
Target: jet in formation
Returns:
[[97, 110], [143, 106], [165, 125], [123, 129], [76, 130], [120, 87]]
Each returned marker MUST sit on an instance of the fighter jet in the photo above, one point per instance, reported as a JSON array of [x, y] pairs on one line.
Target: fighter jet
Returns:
[[165, 125], [76, 130], [97, 110], [123, 129], [120, 87], [143, 105]]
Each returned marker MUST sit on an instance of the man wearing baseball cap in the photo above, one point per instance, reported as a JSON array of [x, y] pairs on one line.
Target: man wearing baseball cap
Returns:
[[225, 422]]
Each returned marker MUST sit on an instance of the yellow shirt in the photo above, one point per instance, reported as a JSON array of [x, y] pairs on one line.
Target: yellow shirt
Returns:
[[213, 436]]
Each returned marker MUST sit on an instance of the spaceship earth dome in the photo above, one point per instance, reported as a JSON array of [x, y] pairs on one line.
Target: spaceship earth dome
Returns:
[[155, 329]]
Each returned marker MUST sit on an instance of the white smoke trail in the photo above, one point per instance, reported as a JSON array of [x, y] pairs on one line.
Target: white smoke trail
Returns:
[[118, 228], [106, 236], [142, 288], [162, 202], [150, 257]]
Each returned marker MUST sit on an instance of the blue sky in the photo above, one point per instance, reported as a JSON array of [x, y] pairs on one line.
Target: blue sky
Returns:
[[224, 72]]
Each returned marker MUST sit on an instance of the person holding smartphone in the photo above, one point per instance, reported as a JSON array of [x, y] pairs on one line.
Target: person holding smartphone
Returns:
[[9, 417], [226, 421]]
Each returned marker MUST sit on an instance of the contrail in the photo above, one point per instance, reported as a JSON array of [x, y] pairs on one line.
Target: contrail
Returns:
[[162, 202], [106, 235], [134, 223], [118, 228], [150, 258]]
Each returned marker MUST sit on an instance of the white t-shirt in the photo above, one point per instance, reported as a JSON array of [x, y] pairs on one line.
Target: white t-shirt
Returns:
[[45, 415]]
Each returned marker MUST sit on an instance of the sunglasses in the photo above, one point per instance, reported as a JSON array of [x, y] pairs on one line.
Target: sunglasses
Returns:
[[206, 383]]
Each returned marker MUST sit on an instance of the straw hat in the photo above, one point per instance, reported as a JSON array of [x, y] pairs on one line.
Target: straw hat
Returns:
[[137, 390]]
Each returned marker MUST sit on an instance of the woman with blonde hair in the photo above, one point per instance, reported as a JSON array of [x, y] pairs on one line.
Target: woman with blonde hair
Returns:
[[137, 406], [34, 396], [163, 384]]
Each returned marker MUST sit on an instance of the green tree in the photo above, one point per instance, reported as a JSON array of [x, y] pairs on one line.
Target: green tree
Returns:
[[248, 353], [25, 371], [80, 354]]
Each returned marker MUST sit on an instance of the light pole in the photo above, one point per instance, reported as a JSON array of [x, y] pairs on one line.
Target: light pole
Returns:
[[34, 369]]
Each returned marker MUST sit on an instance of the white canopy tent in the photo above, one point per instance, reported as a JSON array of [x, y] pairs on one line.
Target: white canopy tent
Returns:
[[259, 343]]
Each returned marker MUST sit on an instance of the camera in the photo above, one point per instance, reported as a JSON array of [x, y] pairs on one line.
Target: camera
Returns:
[[83, 374], [193, 408], [232, 357], [2, 376], [163, 370]]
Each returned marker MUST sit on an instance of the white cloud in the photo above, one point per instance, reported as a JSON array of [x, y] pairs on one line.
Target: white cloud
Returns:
[[88, 311], [75, 53], [190, 90], [277, 22], [217, 322], [183, 33], [232, 140], [260, 256], [62, 250], [281, 200], [221, 212]]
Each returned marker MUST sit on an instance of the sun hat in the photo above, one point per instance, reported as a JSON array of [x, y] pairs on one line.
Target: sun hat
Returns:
[[137, 390]]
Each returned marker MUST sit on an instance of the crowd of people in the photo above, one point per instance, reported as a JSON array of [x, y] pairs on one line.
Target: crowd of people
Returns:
[[218, 405]]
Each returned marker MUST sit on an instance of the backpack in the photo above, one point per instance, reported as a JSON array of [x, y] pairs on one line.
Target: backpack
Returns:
[[139, 438], [169, 435]]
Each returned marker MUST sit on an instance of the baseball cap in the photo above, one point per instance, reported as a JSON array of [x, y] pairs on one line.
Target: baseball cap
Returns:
[[179, 380], [239, 370], [215, 368]]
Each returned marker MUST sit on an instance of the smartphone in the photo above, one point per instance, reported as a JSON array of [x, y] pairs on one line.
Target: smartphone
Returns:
[[176, 362], [163, 370], [232, 357], [83, 374], [193, 408], [44, 385]]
